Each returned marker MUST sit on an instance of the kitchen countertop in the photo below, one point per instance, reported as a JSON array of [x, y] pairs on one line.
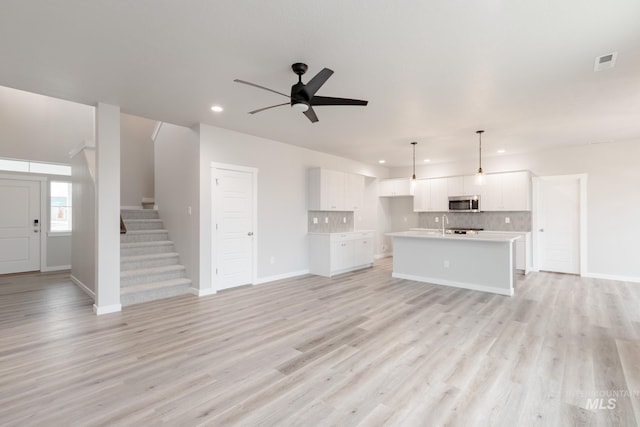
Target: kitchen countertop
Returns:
[[437, 234], [340, 232]]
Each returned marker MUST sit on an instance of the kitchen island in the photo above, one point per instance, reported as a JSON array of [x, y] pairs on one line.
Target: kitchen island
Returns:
[[482, 262]]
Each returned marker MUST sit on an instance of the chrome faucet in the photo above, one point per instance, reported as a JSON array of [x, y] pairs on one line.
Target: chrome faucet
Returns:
[[443, 218]]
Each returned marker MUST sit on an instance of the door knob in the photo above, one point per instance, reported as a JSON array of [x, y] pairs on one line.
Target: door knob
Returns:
[[250, 233]]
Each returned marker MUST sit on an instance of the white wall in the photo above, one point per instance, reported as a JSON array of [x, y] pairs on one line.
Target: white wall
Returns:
[[282, 196], [177, 181], [613, 204], [37, 127], [136, 159]]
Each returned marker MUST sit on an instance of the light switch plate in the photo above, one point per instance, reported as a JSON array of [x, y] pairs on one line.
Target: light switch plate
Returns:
[[315, 220], [507, 220], [326, 220]]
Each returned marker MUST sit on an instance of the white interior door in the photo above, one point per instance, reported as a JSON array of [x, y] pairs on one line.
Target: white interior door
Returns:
[[19, 226], [559, 224], [234, 218]]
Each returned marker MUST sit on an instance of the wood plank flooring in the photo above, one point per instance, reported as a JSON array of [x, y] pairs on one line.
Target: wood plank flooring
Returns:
[[362, 349]]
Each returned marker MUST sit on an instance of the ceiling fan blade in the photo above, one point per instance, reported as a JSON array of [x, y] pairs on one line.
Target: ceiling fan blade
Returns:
[[328, 100], [260, 87], [266, 108], [311, 115], [317, 81]]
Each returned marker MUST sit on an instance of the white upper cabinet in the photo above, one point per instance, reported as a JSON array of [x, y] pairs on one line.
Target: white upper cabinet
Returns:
[[471, 186], [354, 191], [455, 186], [331, 190], [431, 195], [395, 187], [509, 191], [422, 196]]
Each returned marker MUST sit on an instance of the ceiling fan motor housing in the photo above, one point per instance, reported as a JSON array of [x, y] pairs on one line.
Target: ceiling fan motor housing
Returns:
[[299, 97]]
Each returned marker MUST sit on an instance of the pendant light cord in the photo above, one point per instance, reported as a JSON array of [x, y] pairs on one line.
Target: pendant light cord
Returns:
[[414, 160], [479, 132]]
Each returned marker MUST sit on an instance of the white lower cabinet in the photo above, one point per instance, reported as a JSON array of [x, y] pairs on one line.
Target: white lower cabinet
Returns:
[[335, 253]]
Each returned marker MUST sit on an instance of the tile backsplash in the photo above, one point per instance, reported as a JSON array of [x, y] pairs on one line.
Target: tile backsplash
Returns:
[[330, 222], [494, 221]]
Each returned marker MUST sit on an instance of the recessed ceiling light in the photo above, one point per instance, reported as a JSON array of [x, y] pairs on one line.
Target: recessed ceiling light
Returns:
[[501, 151], [381, 161], [427, 160], [217, 109]]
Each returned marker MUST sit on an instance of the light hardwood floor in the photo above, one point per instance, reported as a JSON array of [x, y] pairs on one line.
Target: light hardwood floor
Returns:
[[360, 349]]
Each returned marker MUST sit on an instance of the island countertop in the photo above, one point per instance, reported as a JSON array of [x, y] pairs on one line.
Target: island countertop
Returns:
[[433, 234]]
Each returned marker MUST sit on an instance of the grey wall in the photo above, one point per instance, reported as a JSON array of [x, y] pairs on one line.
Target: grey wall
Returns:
[[58, 252], [612, 188], [136, 159], [83, 238], [41, 128], [177, 183]]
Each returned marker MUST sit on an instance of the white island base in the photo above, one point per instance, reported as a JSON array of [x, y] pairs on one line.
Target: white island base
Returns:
[[482, 263]]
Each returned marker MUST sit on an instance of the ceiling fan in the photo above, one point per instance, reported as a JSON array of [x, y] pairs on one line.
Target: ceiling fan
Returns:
[[303, 96]]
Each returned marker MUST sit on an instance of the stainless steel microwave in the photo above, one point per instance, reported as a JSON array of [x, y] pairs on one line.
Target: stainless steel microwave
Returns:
[[464, 204]]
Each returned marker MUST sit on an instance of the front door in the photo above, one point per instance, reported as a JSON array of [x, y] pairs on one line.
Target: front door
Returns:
[[234, 219], [559, 224], [19, 226]]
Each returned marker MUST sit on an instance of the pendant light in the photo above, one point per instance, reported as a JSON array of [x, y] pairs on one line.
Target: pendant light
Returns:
[[480, 174], [413, 177]]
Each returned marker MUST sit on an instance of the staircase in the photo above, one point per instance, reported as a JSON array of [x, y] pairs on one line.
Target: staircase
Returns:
[[149, 268]]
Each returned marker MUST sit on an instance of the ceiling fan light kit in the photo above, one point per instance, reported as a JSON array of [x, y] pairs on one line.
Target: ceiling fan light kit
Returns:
[[303, 96]]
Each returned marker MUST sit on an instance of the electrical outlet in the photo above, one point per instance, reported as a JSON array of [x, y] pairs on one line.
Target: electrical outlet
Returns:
[[344, 220], [405, 219], [188, 210], [315, 220], [507, 220], [437, 219], [446, 263], [272, 260], [326, 220]]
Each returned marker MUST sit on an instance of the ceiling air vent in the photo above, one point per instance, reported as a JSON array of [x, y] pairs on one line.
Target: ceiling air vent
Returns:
[[605, 62]]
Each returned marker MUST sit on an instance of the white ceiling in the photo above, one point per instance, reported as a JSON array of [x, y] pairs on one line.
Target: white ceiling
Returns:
[[432, 71]]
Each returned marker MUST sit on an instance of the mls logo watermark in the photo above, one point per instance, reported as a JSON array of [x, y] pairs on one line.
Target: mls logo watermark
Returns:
[[600, 403]]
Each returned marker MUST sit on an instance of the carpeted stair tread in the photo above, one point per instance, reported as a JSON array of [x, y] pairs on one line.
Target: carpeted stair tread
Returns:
[[136, 258], [142, 287], [152, 270], [129, 245]]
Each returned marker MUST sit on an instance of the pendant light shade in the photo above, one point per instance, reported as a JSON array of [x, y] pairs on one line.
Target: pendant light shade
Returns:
[[480, 177]]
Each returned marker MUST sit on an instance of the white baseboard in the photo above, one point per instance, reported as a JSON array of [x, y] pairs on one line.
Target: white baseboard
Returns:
[[613, 277], [289, 275], [131, 208], [84, 287], [382, 255], [202, 292], [106, 309], [493, 290], [55, 268]]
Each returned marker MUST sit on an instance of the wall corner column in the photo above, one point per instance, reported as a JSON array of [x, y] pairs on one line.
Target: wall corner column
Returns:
[[107, 138]]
